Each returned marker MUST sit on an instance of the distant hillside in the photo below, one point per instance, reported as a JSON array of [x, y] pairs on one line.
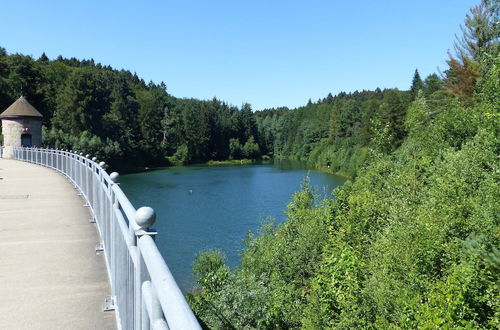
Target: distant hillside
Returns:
[[121, 119]]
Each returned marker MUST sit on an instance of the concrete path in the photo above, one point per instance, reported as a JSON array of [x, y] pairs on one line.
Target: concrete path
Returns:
[[50, 274]]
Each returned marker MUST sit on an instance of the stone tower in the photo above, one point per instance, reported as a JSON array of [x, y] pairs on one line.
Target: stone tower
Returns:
[[21, 126]]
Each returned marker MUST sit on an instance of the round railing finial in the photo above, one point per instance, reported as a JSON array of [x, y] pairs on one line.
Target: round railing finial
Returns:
[[101, 164], [87, 156], [145, 217], [114, 177], [94, 159]]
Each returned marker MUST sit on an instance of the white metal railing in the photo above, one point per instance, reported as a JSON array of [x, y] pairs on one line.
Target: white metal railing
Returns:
[[145, 294]]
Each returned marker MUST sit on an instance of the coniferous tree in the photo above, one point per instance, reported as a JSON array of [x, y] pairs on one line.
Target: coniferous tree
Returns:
[[82, 102], [392, 114], [481, 33], [247, 119], [480, 36], [43, 58], [416, 85], [151, 113]]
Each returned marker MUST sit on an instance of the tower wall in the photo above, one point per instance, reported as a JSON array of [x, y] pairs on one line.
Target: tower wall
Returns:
[[12, 129]]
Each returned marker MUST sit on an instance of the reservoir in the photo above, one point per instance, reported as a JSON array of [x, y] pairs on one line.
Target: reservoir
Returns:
[[214, 207]]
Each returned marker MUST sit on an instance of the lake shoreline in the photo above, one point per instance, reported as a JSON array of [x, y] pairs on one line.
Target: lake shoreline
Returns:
[[236, 162], [321, 169]]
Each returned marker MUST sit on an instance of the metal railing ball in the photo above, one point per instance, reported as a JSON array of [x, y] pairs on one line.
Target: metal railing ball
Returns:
[[114, 177], [145, 217]]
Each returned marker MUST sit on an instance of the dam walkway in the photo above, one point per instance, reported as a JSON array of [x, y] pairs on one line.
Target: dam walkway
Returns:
[[75, 253], [50, 274]]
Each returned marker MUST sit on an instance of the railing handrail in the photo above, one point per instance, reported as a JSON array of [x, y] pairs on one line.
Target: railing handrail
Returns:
[[145, 294]]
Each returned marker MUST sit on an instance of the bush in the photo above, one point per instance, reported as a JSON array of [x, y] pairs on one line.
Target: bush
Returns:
[[251, 149], [181, 155], [235, 149]]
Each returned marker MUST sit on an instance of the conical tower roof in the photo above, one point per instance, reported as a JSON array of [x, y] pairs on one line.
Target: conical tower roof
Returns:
[[21, 108]]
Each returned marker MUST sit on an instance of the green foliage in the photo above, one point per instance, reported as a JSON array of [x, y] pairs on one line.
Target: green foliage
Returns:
[[251, 149], [210, 270], [416, 85], [432, 84], [467, 295], [401, 227], [181, 156], [79, 103], [235, 149], [382, 136], [490, 84], [392, 116], [411, 243], [336, 133], [478, 42], [87, 143]]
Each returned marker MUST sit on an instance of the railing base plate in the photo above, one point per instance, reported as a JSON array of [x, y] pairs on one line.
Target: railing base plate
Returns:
[[99, 247], [109, 304]]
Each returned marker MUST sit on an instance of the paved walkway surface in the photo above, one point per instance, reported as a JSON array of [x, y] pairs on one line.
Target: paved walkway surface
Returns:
[[50, 274]]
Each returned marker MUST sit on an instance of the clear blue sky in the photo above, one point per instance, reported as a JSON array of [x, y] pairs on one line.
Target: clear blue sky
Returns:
[[268, 53]]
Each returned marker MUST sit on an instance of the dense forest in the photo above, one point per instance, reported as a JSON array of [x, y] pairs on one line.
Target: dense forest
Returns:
[[116, 116], [413, 241]]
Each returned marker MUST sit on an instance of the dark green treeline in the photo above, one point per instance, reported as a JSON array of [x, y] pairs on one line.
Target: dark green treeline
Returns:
[[116, 116], [119, 118], [336, 132]]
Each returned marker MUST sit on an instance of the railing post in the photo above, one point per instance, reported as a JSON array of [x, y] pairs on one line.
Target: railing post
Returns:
[[146, 306], [113, 225], [94, 186], [144, 218], [101, 191]]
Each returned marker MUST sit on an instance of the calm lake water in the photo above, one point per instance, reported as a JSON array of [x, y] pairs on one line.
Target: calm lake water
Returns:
[[224, 204]]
